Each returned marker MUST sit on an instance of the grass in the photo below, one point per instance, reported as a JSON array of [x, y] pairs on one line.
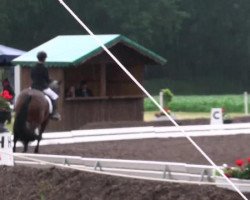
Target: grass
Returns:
[[10, 126], [197, 106]]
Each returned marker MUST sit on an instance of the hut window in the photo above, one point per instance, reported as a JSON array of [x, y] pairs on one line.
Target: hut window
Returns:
[[87, 73], [104, 80]]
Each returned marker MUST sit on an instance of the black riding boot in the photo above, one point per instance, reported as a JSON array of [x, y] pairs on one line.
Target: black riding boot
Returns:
[[55, 115]]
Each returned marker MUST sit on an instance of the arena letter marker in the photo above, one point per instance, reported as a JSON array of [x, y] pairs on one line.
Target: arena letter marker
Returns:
[[150, 97]]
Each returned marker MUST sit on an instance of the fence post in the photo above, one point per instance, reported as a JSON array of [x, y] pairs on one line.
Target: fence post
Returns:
[[246, 103]]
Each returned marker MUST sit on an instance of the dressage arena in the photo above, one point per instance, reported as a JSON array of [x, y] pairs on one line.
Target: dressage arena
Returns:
[[39, 178]]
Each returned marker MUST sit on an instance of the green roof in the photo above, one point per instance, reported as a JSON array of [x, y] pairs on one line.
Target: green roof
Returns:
[[67, 50]]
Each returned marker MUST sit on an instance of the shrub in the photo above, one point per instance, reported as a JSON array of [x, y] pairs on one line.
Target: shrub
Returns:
[[4, 110], [4, 105], [167, 96]]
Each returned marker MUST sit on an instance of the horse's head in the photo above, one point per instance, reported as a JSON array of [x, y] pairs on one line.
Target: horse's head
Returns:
[[55, 86]]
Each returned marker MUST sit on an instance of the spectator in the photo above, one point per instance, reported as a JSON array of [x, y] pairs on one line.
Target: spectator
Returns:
[[8, 92], [83, 90], [70, 92]]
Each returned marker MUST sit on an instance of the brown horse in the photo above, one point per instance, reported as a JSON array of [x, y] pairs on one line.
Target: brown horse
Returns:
[[31, 116]]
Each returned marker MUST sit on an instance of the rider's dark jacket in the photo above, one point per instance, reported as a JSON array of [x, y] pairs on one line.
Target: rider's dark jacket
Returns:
[[40, 77]]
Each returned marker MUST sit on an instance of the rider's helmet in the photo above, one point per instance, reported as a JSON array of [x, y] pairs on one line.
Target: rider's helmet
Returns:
[[41, 56]]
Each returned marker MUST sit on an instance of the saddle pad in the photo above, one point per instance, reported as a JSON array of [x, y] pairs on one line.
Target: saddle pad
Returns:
[[50, 104]]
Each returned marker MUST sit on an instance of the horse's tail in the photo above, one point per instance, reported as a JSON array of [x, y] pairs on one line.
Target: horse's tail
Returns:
[[20, 129]]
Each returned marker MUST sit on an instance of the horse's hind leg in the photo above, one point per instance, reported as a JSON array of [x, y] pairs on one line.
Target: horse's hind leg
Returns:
[[38, 137], [42, 129], [37, 146]]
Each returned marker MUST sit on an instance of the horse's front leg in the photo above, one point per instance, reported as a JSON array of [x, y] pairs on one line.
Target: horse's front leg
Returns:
[[15, 141]]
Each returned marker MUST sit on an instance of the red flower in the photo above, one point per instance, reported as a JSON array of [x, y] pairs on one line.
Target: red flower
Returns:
[[6, 94], [167, 110], [239, 162], [248, 160], [228, 175]]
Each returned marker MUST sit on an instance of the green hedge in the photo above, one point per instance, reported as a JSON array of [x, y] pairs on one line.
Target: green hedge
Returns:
[[201, 103]]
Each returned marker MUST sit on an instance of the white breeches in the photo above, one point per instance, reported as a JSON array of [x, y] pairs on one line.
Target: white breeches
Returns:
[[51, 93]]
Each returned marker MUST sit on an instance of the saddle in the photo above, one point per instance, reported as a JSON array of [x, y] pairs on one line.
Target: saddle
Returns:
[[47, 98], [50, 103]]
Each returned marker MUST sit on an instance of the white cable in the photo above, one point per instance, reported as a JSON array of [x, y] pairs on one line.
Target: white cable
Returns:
[[149, 96]]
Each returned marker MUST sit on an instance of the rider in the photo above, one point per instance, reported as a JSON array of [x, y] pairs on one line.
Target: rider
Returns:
[[40, 81]]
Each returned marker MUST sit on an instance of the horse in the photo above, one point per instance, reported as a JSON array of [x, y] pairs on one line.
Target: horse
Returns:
[[32, 114]]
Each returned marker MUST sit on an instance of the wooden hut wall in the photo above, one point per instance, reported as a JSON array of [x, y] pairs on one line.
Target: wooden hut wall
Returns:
[[54, 73], [78, 113], [25, 78], [122, 101], [120, 84]]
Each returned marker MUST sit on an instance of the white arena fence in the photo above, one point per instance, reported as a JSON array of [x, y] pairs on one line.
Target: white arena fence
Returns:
[[146, 170], [111, 134], [137, 168]]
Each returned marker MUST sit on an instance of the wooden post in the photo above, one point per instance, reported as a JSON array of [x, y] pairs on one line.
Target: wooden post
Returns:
[[246, 103], [103, 80], [17, 81]]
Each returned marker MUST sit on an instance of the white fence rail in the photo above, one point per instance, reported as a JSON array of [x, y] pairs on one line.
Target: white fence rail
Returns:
[[145, 169], [95, 135]]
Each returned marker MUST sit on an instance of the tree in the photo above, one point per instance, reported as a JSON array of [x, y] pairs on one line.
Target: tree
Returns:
[[213, 44]]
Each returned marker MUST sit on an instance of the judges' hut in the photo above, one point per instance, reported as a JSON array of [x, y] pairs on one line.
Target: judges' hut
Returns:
[[74, 58]]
